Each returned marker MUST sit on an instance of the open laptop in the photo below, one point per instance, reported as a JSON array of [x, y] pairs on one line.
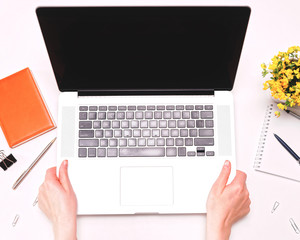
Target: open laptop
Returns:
[[146, 115]]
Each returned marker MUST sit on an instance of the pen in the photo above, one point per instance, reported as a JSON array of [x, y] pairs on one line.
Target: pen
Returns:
[[293, 114], [24, 174], [287, 148]]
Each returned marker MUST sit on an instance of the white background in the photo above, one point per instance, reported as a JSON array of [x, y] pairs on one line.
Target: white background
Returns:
[[273, 27]]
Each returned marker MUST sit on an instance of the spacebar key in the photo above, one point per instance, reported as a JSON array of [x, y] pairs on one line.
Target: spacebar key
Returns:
[[142, 152]]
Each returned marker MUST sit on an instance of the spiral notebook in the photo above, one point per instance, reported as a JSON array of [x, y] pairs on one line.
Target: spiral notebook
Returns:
[[271, 157]]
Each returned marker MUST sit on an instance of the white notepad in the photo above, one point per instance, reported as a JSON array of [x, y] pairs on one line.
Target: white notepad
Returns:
[[271, 156]]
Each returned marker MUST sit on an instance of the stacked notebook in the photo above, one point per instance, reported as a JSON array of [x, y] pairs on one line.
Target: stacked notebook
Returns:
[[23, 112]]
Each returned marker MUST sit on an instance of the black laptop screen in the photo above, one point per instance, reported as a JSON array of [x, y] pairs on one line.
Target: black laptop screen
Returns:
[[144, 48]]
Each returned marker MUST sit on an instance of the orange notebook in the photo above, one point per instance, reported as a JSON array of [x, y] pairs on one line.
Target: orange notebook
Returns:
[[23, 112]]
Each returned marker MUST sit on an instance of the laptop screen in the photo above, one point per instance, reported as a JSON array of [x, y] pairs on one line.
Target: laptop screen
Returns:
[[144, 48]]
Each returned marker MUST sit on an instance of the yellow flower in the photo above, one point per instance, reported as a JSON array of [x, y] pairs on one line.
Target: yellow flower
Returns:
[[277, 114], [281, 106], [263, 66]]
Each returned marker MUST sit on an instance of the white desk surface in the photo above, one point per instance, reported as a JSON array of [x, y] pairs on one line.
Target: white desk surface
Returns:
[[273, 27]]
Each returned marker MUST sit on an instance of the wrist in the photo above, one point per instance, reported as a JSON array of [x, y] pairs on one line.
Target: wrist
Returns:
[[65, 231], [217, 228]]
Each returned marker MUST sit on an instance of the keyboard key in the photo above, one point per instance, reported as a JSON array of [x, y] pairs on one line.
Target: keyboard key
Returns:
[[88, 142], [170, 107], [190, 123], [150, 142], [210, 153], [209, 123], [189, 107], [193, 132], [111, 115], [97, 124], [188, 141], [92, 115], [106, 124], [179, 142], [112, 152], [82, 152], [176, 115], [132, 142], [104, 142], [191, 153], [141, 108], [206, 114], [120, 115], [199, 107], [199, 123], [171, 123], [180, 107], [208, 107], [185, 115], [99, 133], [206, 133], [102, 108], [113, 142], [195, 114], [112, 108], [184, 133], [86, 133], [142, 152], [157, 115], [123, 142], [170, 142], [203, 141], [92, 152], [116, 124], [93, 108], [101, 115], [181, 151], [83, 108], [83, 116], [142, 142], [101, 152], [160, 142], [181, 123], [149, 115], [171, 151], [139, 115], [85, 124]]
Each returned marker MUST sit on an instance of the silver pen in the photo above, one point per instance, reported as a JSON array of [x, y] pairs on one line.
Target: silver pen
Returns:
[[293, 114], [24, 174]]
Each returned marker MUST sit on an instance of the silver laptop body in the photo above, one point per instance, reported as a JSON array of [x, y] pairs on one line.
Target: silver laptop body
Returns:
[[146, 116]]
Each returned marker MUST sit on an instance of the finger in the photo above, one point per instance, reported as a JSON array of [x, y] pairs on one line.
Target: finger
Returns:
[[51, 174], [222, 180], [240, 177], [63, 175]]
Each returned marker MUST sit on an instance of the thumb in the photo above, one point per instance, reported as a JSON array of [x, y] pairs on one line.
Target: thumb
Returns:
[[221, 181], [63, 175]]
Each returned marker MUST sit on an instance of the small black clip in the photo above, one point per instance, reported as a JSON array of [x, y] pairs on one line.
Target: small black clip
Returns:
[[6, 161]]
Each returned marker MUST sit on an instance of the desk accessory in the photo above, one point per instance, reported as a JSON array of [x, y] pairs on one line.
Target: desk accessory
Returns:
[[6, 161], [275, 206], [287, 148], [23, 112], [284, 82], [293, 114], [294, 225], [25, 173], [271, 157]]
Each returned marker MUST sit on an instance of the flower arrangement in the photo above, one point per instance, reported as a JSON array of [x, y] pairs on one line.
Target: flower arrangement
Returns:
[[284, 82]]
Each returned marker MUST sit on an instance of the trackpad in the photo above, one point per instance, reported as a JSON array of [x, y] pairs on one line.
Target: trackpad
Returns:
[[146, 186]]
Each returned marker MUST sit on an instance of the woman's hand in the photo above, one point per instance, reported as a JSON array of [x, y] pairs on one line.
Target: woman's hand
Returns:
[[58, 201], [226, 203]]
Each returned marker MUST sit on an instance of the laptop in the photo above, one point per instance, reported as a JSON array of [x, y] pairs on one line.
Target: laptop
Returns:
[[146, 116]]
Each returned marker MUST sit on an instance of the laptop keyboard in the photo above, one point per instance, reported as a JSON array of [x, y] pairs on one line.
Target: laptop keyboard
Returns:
[[146, 131]]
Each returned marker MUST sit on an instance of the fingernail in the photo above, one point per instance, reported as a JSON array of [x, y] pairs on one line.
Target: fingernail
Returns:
[[66, 163], [227, 163]]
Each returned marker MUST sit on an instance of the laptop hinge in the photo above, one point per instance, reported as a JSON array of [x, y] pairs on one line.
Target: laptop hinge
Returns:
[[146, 92]]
